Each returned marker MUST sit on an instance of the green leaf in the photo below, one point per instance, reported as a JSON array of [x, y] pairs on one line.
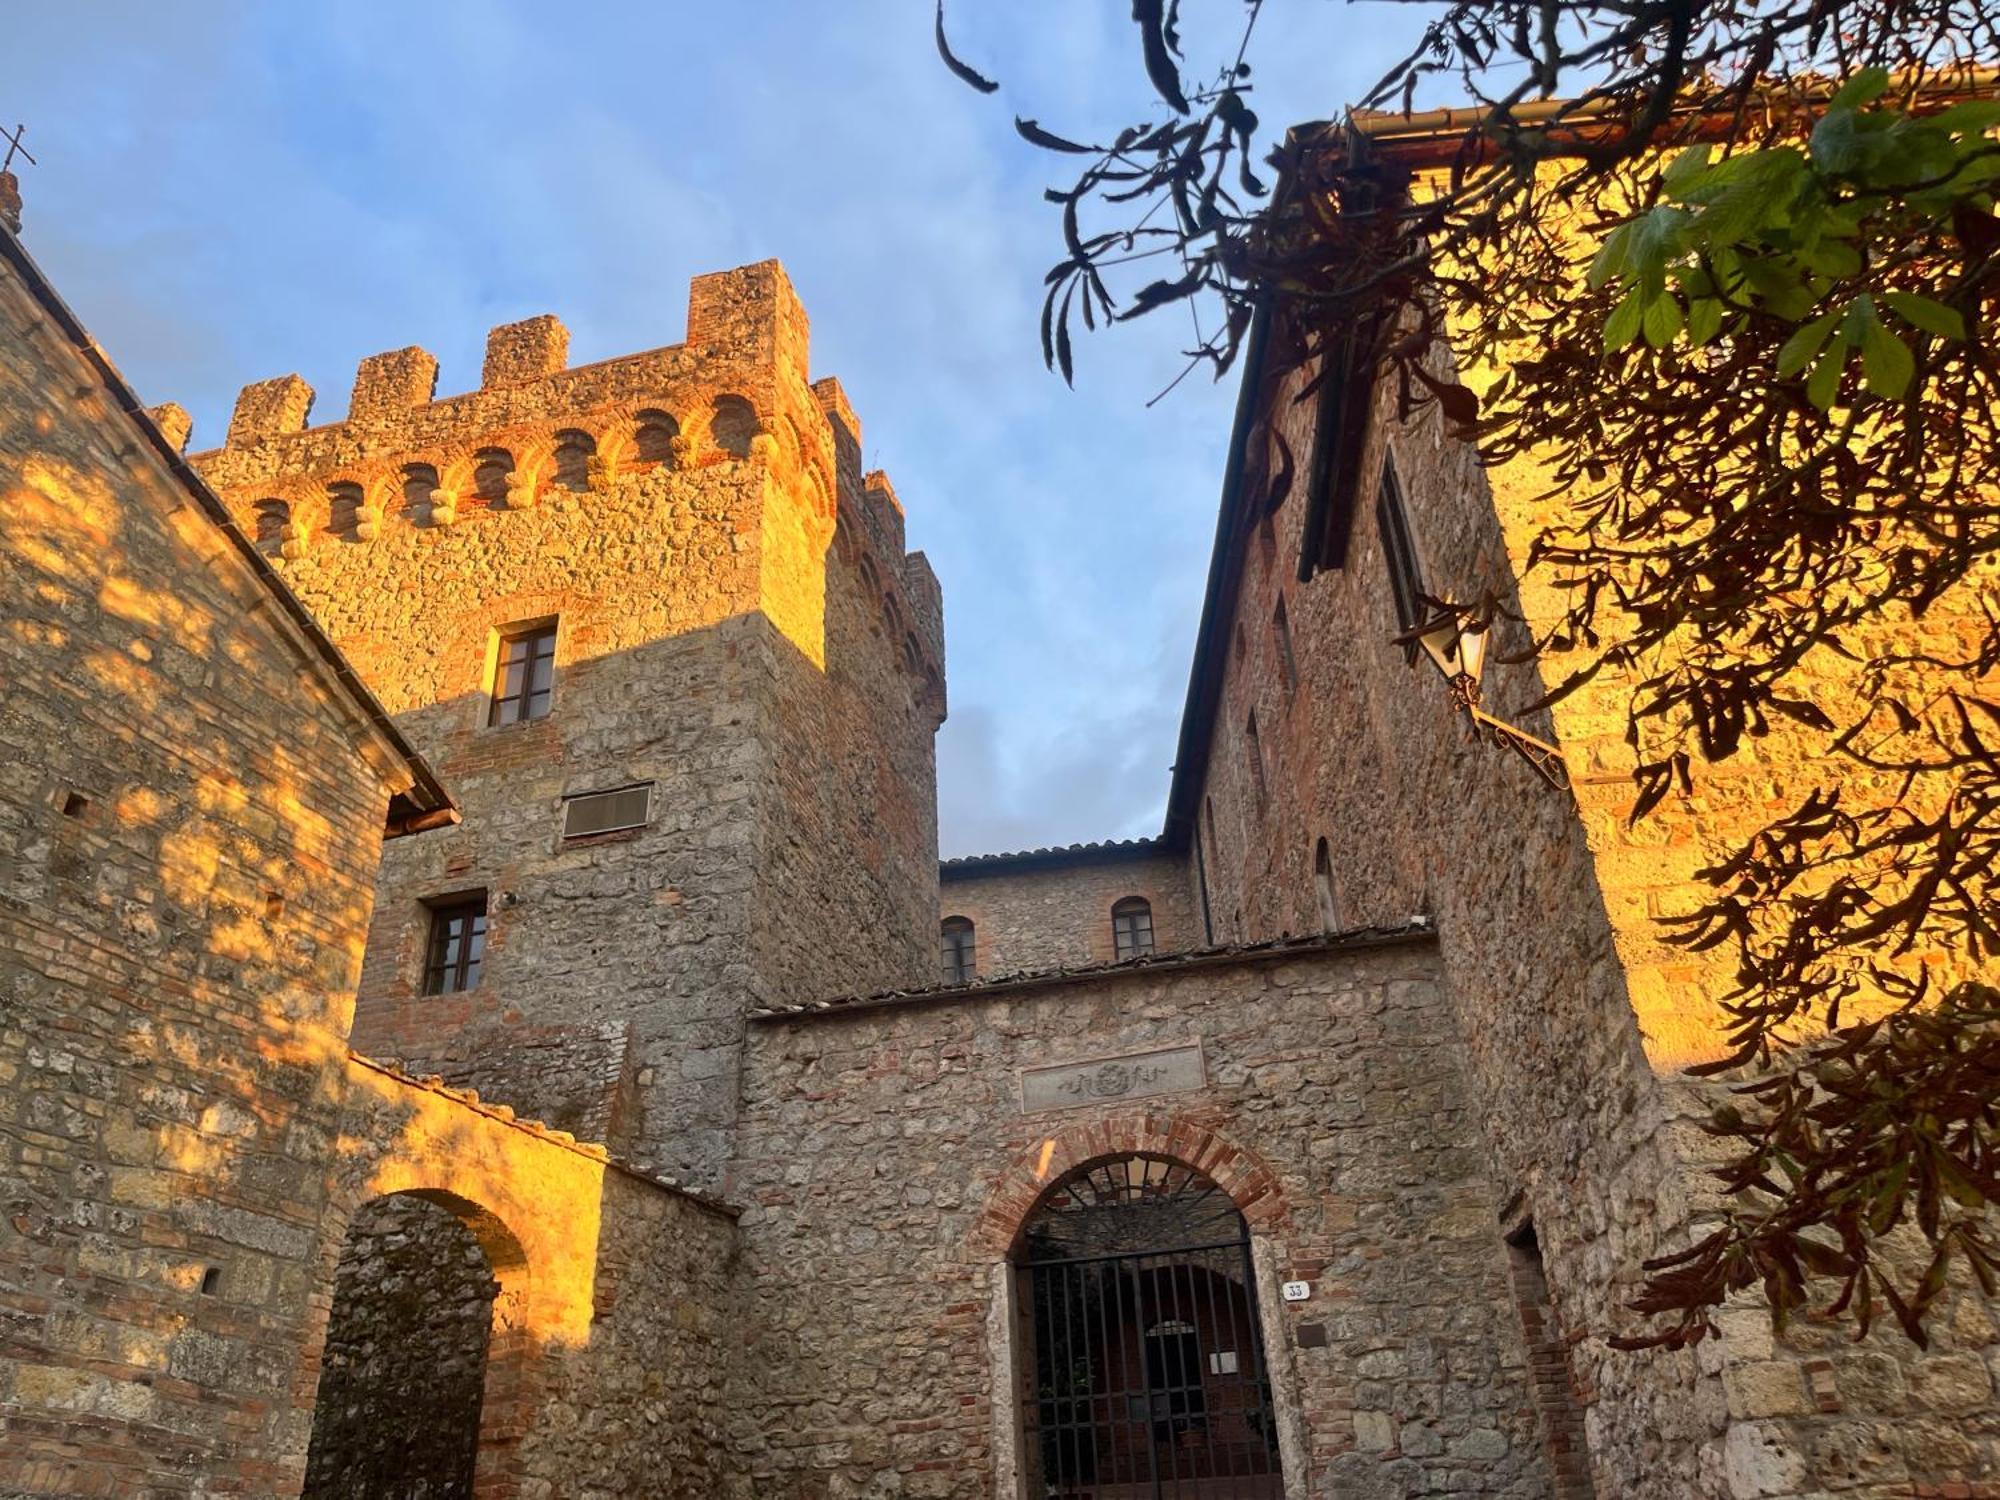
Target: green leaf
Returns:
[[1824, 382], [1864, 87], [1799, 350], [1833, 258], [1743, 193], [1623, 325], [1611, 256], [1656, 239], [1685, 171], [1970, 116], [1704, 320], [1886, 362], [1837, 144], [1922, 312], [1662, 320]]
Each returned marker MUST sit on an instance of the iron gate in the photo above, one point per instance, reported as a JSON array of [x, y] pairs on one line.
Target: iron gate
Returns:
[[1147, 1378]]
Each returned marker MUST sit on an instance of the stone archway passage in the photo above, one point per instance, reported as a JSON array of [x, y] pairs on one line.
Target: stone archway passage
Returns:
[[402, 1378], [1142, 1359]]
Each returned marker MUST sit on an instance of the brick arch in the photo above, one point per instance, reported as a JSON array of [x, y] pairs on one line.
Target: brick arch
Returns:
[[1251, 1184]]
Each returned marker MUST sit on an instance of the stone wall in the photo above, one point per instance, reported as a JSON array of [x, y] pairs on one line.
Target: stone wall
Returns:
[[1032, 914], [1576, 1016], [887, 1164], [189, 826], [737, 624]]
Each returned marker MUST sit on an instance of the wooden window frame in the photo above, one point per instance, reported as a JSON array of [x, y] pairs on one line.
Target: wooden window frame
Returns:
[[523, 700], [1127, 913], [958, 963], [449, 972]]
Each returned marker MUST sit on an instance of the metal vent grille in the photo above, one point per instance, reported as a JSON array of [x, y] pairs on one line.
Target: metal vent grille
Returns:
[[607, 812]]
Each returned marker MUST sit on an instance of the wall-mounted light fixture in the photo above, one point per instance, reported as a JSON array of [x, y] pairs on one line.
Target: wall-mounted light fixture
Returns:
[[1454, 640]]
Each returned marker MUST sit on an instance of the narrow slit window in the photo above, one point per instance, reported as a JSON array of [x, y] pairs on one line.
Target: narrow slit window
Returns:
[[1253, 749], [1132, 927], [524, 676], [1281, 636], [1392, 522], [955, 950], [1323, 888], [457, 945]]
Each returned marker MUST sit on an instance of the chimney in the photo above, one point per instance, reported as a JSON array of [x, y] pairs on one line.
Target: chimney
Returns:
[[10, 202]]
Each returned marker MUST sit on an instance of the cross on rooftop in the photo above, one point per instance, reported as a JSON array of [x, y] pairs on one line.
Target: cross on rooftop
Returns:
[[14, 147]]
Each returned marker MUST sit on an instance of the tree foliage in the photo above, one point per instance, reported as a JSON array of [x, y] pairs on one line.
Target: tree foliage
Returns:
[[1736, 263]]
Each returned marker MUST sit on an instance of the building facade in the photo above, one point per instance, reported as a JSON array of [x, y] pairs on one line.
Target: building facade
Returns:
[[660, 1117]]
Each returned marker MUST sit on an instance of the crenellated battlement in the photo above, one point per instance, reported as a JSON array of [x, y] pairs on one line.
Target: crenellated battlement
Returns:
[[732, 396]]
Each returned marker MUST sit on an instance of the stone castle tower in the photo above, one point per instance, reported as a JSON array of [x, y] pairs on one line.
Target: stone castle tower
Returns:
[[709, 612]]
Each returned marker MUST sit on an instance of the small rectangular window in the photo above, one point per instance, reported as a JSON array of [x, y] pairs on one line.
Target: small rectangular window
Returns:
[[457, 944], [956, 950], [524, 676], [608, 812], [1392, 523]]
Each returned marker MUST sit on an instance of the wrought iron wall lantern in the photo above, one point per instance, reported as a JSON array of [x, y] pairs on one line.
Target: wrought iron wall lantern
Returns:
[[1455, 639]]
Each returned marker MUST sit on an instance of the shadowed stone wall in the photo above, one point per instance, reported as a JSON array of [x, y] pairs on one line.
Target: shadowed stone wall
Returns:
[[1031, 914], [887, 1165]]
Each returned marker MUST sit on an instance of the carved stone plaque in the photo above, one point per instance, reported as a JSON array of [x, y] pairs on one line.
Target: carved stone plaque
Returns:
[[1108, 1080]]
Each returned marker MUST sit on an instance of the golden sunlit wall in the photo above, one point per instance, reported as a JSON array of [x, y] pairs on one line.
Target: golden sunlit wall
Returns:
[[190, 827]]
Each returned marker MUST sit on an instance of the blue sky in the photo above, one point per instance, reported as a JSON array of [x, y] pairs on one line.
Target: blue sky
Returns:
[[230, 192]]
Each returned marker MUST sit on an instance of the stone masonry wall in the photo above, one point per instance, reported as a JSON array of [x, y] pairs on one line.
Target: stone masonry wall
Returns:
[[886, 1165], [674, 513], [1576, 1017], [188, 835], [1059, 917]]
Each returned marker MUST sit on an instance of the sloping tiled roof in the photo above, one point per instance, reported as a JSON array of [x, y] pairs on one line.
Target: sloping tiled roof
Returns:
[[1055, 854], [1196, 958]]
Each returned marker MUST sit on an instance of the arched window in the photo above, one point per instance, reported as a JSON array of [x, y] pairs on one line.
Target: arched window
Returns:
[[343, 503], [418, 482], [1139, 1305], [654, 440], [1329, 910], [573, 451], [955, 950], [731, 425], [271, 518], [491, 468], [1132, 927]]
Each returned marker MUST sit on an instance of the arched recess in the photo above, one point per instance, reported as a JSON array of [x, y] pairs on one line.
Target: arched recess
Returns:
[[1002, 1234], [1139, 1347], [424, 1372]]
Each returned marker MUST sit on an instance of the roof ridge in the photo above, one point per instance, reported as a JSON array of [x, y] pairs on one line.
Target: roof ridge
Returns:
[[1327, 942]]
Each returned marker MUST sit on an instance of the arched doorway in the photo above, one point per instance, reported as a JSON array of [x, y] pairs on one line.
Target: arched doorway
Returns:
[[1143, 1359], [409, 1346]]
